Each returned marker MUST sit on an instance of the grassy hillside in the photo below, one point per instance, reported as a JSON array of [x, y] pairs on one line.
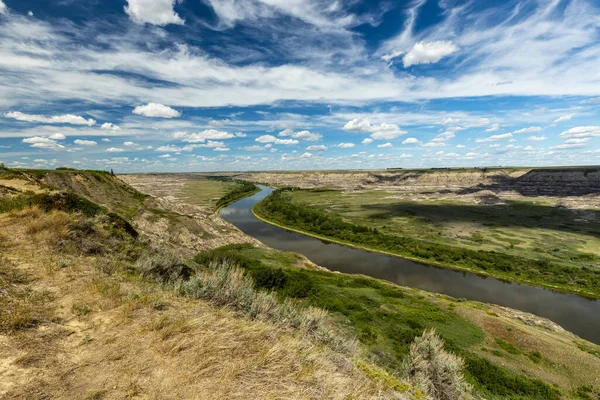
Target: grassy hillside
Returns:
[[90, 311], [506, 353], [520, 241]]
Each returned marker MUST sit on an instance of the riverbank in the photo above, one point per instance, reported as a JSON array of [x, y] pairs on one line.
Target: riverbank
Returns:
[[260, 212]]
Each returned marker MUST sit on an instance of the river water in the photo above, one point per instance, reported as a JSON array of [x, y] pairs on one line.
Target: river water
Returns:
[[574, 313]]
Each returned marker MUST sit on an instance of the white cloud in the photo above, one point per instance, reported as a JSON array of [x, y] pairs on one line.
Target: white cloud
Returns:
[[57, 119], [581, 132], [240, 134], [114, 150], [57, 136], [87, 143], [386, 131], [383, 131], [493, 128], [108, 126], [43, 142], [254, 148], [105, 139], [531, 129], [306, 155], [128, 144], [386, 145], [306, 135], [155, 110], [392, 55], [273, 139], [564, 118], [3, 8], [449, 121], [345, 145], [495, 138], [221, 149], [317, 148], [168, 149], [156, 12], [460, 146], [411, 140], [367, 141], [165, 156], [535, 138], [428, 52], [201, 137], [358, 125]]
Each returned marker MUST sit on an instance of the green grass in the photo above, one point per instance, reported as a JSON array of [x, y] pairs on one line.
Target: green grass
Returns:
[[383, 317], [580, 275]]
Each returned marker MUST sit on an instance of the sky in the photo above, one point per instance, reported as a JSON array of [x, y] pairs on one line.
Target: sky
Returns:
[[232, 85]]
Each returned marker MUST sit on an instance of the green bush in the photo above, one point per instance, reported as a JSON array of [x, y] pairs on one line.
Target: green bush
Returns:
[[497, 381]]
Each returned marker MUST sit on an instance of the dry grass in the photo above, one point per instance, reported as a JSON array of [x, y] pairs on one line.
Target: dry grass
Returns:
[[225, 284], [117, 335]]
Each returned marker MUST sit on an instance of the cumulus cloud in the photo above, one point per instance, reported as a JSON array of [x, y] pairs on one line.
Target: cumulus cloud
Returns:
[[493, 128], [531, 129], [345, 145], [383, 131], [317, 148], [306, 155], [253, 148], [43, 142], [367, 141], [128, 144], [386, 131], [3, 8], [411, 140], [535, 138], [221, 149], [108, 126], [155, 110], [581, 132], [305, 135], [273, 139], [57, 119], [87, 143], [428, 52], [57, 136], [386, 145], [494, 138], [358, 125], [201, 137], [564, 118], [156, 12], [114, 150]]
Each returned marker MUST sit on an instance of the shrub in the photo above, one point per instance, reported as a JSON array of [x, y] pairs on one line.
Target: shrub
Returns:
[[163, 267], [437, 373], [270, 279]]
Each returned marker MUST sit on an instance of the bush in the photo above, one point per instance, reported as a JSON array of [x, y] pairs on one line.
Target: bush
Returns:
[[270, 279], [437, 373], [163, 267], [497, 381]]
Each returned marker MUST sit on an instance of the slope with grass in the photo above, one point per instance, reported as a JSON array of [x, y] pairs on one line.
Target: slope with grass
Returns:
[[89, 311], [519, 241], [506, 353]]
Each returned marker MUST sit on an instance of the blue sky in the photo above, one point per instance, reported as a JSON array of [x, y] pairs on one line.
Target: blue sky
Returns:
[[210, 85]]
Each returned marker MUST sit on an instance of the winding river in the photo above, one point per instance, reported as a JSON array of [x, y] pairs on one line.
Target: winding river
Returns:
[[574, 313]]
